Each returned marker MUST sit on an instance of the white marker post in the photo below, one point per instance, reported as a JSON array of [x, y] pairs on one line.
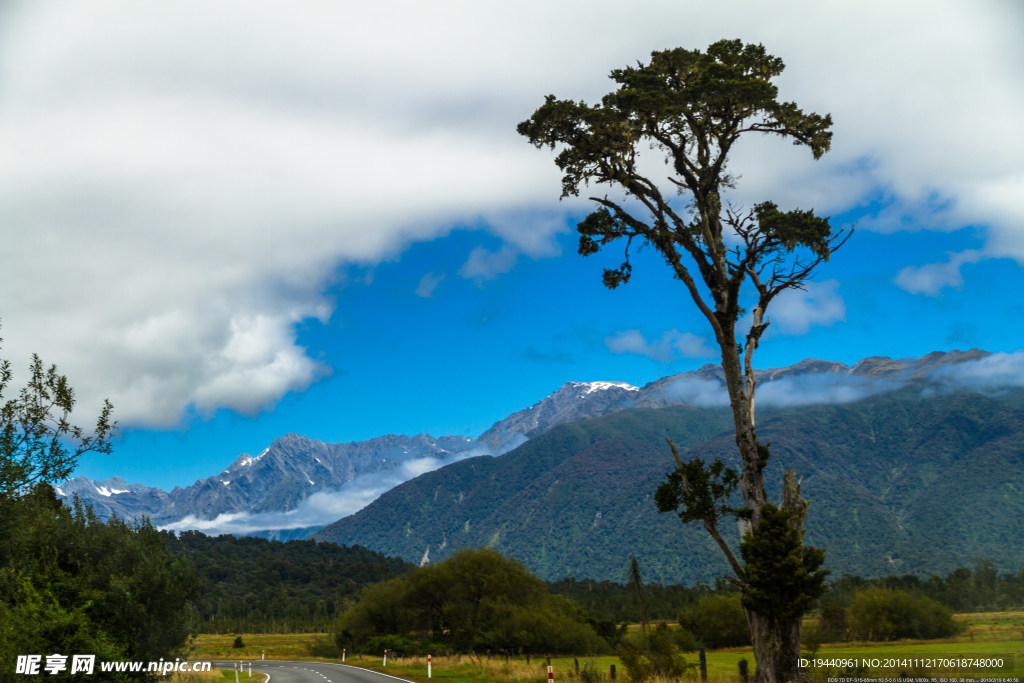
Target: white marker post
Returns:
[[385, 657], [428, 666], [343, 654], [250, 669], [551, 673]]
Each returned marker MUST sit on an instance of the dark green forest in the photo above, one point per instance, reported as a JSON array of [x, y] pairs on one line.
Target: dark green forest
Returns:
[[72, 584], [252, 585]]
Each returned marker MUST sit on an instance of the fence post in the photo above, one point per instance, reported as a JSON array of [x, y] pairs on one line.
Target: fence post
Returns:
[[744, 670], [611, 673], [576, 665], [703, 666]]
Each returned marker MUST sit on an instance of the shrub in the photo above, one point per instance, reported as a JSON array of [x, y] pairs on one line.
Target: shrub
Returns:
[[879, 614], [717, 621], [832, 622], [659, 657]]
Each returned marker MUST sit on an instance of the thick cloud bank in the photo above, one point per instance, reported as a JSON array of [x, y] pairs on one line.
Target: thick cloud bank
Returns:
[[180, 183], [992, 374]]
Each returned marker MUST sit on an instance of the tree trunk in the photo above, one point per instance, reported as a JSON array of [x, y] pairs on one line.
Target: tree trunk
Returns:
[[776, 641], [776, 647]]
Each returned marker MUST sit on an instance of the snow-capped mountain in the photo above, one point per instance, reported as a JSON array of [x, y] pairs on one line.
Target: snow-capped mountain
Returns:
[[279, 486]]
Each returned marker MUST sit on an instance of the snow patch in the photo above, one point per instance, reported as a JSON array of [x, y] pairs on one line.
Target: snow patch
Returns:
[[103, 491], [591, 387], [59, 490], [119, 490]]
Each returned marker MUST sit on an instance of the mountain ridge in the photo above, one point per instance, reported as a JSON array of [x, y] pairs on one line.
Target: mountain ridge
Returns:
[[283, 478], [898, 483]]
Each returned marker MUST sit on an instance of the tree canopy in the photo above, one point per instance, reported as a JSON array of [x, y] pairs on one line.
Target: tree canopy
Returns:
[[474, 600]]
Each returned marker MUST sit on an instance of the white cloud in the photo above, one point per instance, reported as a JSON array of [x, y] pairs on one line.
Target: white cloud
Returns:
[[801, 390], [176, 178], [698, 392], [794, 311], [428, 283], [932, 278], [484, 264], [671, 345], [989, 374]]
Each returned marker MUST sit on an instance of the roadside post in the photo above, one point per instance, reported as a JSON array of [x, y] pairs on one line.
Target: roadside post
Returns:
[[428, 666], [343, 654], [551, 673], [385, 658]]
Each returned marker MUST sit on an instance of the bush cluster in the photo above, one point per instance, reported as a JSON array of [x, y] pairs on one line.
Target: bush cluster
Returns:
[[477, 600], [885, 614]]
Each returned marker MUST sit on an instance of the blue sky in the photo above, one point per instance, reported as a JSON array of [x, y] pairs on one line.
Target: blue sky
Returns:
[[321, 220]]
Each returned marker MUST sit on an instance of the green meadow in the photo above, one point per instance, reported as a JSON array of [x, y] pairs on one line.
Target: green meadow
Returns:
[[990, 635]]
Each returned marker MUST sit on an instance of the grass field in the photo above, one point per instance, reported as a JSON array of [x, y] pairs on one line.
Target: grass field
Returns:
[[216, 676], [256, 645], [986, 635]]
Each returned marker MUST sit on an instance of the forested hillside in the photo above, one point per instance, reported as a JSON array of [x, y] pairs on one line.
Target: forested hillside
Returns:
[[901, 483]]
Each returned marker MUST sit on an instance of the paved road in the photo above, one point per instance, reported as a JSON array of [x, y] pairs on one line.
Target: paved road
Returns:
[[309, 672]]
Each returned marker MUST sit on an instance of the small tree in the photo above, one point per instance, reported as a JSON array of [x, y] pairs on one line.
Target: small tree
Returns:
[[38, 443], [692, 107]]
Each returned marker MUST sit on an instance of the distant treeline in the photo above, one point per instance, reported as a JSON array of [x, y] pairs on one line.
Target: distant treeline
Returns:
[[980, 589], [253, 585]]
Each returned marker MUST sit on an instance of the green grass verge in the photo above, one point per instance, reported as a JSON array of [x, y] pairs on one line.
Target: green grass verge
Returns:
[[985, 635]]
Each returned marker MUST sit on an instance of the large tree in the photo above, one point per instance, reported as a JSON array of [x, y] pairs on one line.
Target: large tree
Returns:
[[691, 107]]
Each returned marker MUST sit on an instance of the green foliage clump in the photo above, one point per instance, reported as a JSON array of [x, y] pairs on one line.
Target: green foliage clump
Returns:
[[783, 577], [880, 614], [717, 621], [475, 600], [655, 655], [71, 583]]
